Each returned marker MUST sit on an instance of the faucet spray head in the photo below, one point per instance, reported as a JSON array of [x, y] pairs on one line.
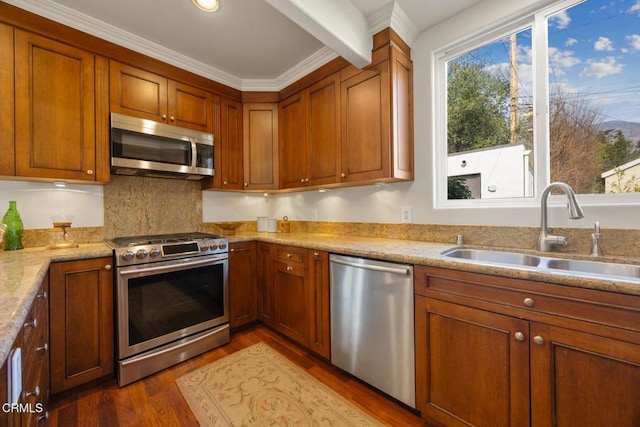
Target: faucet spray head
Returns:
[[575, 211]]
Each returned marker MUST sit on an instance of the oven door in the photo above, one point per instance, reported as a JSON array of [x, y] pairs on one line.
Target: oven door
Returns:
[[166, 301]]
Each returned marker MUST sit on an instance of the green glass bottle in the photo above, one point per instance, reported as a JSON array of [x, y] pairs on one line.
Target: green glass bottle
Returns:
[[13, 234]]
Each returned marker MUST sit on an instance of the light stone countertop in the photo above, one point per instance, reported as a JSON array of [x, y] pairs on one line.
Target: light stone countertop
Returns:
[[21, 272]]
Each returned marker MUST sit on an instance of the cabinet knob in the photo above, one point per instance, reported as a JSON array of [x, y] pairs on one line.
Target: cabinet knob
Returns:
[[232, 250], [289, 268], [107, 267], [89, 172], [173, 119], [225, 183], [519, 336], [42, 295], [316, 254], [246, 184], [44, 416], [42, 349], [306, 180], [289, 255], [164, 117], [528, 302], [301, 180], [538, 340], [32, 324], [343, 174], [35, 392]]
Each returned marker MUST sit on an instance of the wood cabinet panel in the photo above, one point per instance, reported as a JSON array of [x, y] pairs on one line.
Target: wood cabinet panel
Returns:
[[243, 289], [7, 113], [81, 310], [138, 93], [402, 115], [55, 109], [470, 370], [231, 164], [260, 148], [291, 301], [190, 107], [582, 379], [265, 283], [293, 141], [366, 125], [320, 321], [324, 131]]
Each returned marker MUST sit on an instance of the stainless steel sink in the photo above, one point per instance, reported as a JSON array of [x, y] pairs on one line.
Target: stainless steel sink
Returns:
[[494, 257], [595, 267], [574, 267]]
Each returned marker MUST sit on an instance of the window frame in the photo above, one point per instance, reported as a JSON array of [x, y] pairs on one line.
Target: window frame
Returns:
[[537, 20]]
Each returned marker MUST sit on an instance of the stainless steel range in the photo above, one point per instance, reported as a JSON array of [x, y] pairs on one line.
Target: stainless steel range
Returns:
[[172, 300]]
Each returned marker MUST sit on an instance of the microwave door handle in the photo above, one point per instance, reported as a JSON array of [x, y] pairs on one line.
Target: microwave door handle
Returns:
[[194, 153]]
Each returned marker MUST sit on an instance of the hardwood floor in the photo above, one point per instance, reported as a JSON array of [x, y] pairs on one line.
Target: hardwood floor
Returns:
[[156, 400]]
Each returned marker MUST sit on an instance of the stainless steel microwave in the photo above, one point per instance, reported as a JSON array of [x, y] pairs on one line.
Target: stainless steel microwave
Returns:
[[141, 147]]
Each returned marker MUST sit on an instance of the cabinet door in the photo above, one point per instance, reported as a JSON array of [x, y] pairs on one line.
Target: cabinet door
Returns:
[[55, 109], [138, 93], [294, 144], [81, 315], [366, 125], [190, 107], [471, 367], [291, 301], [230, 164], [265, 283], [260, 137], [319, 314], [583, 380], [324, 131], [243, 303], [7, 111]]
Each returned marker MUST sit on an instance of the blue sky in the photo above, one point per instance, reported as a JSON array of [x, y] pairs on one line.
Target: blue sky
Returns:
[[594, 50]]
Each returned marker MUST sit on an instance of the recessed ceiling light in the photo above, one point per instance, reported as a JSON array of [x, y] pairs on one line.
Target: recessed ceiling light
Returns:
[[207, 5]]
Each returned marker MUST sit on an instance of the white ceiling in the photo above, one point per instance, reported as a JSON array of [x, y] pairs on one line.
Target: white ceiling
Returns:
[[247, 44]]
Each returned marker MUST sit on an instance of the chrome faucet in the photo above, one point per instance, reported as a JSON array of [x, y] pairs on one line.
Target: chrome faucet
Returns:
[[596, 250], [546, 240]]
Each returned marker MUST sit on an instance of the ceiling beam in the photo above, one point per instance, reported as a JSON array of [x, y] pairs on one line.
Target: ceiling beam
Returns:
[[336, 23]]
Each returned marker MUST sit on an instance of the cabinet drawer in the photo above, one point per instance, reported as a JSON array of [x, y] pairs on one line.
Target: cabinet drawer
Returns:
[[518, 297], [291, 255]]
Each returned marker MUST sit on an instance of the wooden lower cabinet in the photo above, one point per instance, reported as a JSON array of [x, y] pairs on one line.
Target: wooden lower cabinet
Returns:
[[494, 351], [470, 369], [82, 322], [293, 294], [243, 288]]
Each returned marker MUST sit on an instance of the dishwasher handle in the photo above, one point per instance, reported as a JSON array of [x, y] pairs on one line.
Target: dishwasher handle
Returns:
[[405, 271]]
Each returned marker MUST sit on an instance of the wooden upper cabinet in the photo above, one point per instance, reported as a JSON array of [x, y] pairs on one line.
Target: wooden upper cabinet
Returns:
[[230, 167], [310, 135], [7, 110], [294, 141], [139, 93], [260, 142], [58, 89]]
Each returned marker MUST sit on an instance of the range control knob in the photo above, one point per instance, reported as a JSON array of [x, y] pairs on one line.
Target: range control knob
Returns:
[[222, 245], [141, 254], [213, 246], [128, 256], [154, 252], [204, 247]]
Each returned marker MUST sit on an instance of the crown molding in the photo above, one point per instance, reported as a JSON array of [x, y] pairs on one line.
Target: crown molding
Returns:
[[392, 15]]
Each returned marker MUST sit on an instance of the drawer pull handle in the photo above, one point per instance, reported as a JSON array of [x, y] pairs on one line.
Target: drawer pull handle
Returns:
[[519, 336], [42, 295], [289, 255], [32, 324], [528, 302], [538, 340], [35, 392], [42, 349], [289, 268], [107, 267]]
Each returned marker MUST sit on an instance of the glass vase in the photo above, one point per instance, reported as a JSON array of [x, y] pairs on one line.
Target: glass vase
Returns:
[[13, 233]]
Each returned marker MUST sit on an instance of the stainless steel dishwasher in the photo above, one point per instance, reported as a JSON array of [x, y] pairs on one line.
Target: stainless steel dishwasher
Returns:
[[372, 332]]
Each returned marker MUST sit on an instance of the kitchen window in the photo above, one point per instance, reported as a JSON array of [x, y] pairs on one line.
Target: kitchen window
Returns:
[[552, 96]]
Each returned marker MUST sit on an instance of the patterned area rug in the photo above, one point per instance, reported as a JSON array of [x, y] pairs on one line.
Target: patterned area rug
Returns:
[[257, 386]]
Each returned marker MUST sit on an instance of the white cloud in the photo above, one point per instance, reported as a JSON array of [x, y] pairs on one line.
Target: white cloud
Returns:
[[570, 42], [562, 58], [634, 40], [604, 44], [635, 7], [562, 19], [602, 68]]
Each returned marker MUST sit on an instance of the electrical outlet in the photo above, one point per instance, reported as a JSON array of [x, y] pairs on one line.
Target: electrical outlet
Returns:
[[405, 214]]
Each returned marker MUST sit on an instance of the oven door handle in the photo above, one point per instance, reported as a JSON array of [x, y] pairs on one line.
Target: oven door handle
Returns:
[[170, 267]]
